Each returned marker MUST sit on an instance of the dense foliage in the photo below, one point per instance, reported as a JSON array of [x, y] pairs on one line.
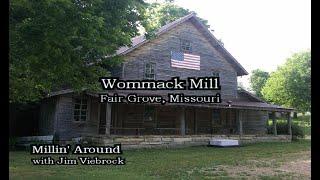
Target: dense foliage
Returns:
[[290, 84], [159, 14], [59, 43], [282, 129], [258, 79]]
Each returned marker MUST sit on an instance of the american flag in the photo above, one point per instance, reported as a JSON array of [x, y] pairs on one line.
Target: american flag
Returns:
[[184, 60]]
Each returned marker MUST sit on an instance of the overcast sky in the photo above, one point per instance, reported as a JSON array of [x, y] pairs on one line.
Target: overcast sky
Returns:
[[258, 33]]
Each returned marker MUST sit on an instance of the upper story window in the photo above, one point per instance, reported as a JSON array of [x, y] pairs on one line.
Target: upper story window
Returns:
[[80, 110], [149, 71], [186, 46], [215, 74]]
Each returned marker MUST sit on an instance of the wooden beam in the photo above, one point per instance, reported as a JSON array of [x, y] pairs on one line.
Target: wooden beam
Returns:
[[274, 123], [108, 118], [182, 118], [195, 121], [289, 123], [240, 122]]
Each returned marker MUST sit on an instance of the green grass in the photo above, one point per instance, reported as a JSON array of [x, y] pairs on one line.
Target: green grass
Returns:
[[183, 163]]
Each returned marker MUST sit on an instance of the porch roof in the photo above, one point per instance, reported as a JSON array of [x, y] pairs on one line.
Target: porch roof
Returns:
[[238, 105], [245, 101], [252, 103]]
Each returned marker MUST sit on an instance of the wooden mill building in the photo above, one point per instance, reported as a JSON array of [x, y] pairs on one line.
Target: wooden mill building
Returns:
[[68, 115]]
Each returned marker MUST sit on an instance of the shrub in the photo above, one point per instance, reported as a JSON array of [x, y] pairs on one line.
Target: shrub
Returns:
[[282, 128]]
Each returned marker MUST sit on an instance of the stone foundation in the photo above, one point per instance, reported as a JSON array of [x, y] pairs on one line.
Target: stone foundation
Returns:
[[173, 141]]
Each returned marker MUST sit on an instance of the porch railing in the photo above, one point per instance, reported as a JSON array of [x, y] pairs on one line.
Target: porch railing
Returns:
[[171, 131], [127, 131], [144, 131]]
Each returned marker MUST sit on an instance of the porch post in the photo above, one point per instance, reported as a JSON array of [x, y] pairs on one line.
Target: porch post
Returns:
[[195, 121], [182, 122], [240, 122], [289, 124], [108, 118], [274, 123]]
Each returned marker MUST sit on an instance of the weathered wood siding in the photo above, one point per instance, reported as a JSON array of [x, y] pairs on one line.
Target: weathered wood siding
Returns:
[[254, 122], [203, 121], [167, 117], [133, 117], [47, 116], [197, 120], [66, 127], [190, 121], [159, 49]]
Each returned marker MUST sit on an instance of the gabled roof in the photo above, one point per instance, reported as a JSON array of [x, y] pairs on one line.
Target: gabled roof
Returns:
[[140, 40]]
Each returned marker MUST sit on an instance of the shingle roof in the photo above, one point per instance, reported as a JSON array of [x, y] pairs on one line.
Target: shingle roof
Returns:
[[140, 40], [248, 100], [242, 102]]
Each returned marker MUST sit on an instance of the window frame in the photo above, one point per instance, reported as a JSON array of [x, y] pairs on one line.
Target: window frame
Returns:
[[149, 69], [185, 46], [80, 109]]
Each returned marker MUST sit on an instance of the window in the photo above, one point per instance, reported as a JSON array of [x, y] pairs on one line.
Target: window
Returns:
[[80, 109], [215, 74], [149, 112], [216, 116], [186, 46], [149, 71]]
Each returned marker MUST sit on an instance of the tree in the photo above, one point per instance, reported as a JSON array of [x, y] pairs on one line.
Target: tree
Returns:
[[58, 44], [158, 15], [65, 43], [290, 84], [258, 79]]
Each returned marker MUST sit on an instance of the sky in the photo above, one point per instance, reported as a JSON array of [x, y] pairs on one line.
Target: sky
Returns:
[[258, 33]]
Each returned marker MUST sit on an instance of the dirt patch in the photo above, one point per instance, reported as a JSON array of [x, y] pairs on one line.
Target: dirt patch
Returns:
[[302, 167], [293, 166]]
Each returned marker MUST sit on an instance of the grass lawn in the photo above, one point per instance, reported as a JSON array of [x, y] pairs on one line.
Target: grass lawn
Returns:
[[256, 161]]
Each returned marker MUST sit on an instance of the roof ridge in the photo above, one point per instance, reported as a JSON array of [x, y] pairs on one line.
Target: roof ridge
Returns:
[[175, 22], [142, 39], [135, 44]]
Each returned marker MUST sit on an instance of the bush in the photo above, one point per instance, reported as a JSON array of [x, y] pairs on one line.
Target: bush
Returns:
[[282, 128]]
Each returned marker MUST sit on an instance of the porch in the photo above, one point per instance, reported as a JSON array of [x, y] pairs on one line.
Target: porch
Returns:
[[145, 120], [175, 141]]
